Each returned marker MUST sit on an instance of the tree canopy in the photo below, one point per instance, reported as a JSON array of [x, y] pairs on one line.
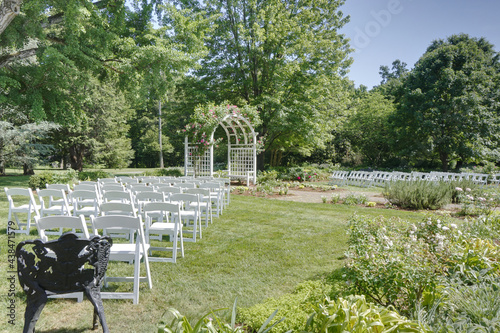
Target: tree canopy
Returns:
[[450, 102]]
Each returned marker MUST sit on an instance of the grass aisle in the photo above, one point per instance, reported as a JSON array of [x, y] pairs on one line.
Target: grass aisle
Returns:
[[258, 248]]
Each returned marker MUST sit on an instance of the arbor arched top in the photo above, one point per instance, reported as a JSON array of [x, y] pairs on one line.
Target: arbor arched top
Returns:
[[238, 124]]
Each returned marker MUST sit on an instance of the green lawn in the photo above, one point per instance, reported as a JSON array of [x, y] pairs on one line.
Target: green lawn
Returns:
[[258, 248]]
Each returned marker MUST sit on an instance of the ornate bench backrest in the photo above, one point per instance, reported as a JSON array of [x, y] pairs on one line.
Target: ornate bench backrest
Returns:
[[66, 265]]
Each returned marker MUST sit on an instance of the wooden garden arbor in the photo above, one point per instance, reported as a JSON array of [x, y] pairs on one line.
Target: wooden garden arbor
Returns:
[[241, 150]]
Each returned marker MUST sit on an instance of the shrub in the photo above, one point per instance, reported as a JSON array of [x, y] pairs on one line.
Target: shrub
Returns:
[[355, 314], [395, 262], [466, 308], [355, 199], [171, 172], [93, 175], [418, 194], [295, 307], [47, 177], [266, 176], [477, 201]]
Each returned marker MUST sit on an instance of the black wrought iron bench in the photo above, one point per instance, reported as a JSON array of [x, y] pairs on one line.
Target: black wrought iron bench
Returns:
[[62, 266]]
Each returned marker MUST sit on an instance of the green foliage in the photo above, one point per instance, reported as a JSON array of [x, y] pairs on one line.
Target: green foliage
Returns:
[[355, 199], [23, 145], [355, 314], [418, 194], [464, 308], [394, 262], [40, 180], [172, 172], [93, 175], [299, 174], [368, 130], [292, 71], [406, 265], [264, 176], [294, 307], [478, 201], [484, 227], [210, 322], [447, 108]]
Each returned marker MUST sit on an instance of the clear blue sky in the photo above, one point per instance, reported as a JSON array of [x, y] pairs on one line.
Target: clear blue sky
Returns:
[[382, 31]]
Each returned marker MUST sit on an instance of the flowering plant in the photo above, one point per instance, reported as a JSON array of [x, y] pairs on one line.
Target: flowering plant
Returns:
[[477, 202]]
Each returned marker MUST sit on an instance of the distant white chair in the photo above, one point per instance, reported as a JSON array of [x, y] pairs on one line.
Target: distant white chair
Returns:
[[142, 198], [126, 252], [162, 218], [216, 195], [21, 201], [85, 203], [190, 213], [117, 196], [53, 202], [205, 204]]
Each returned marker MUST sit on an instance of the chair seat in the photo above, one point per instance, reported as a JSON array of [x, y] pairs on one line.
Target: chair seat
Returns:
[[124, 251], [161, 226]]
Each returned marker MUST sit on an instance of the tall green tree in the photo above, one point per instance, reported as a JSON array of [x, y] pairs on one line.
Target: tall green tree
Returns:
[[51, 54], [449, 108], [368, 129], [286, 57]]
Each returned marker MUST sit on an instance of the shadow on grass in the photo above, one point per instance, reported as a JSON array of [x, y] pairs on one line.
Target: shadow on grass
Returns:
[[69, 330]]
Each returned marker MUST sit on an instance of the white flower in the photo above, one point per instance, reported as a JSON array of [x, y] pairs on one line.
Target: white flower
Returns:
[[481, 199], [446, 228], [468, 189], [458, 189], [453, 226]]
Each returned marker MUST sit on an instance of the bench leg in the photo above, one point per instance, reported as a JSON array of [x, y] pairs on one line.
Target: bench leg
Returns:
[[94, 296], [34, 306]]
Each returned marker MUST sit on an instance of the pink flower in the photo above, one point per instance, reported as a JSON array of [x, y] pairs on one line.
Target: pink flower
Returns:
[[298, 177]]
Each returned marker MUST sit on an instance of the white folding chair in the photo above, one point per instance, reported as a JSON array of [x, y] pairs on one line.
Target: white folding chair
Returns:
[[142, 198], [119, 208], [168, 191], [45, 224], [64, 187], [216, 195], [53, 202], [85, 203], [117, 196], [21, 200], [126, 252], [205, 204], [162, 218], [190, 213]]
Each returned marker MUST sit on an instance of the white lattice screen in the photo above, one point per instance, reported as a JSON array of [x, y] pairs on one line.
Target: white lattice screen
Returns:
[[202, 164], [241, 160]]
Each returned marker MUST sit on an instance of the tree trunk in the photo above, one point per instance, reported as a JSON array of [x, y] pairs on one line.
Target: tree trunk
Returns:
[[2, 168], [8, 10], [260, 161], [444, 160], [76, 157], [28, 170]]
